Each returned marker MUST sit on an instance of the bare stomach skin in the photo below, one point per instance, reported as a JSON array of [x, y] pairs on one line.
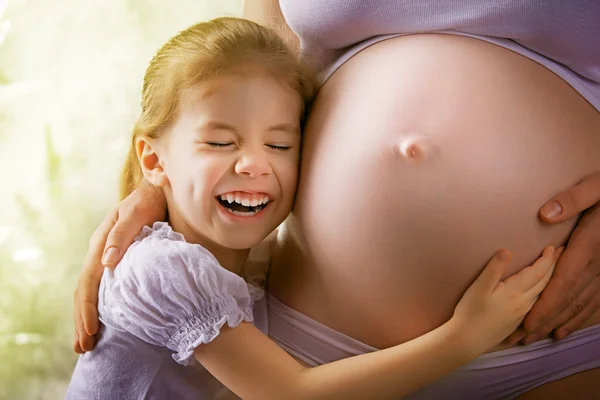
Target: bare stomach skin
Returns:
[[423, 155]]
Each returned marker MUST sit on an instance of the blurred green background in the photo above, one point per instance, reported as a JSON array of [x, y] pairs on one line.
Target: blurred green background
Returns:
[[70, 81]]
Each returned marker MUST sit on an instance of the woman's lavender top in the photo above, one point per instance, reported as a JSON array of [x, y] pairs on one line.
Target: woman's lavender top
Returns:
[[165, 298], [564, 36]]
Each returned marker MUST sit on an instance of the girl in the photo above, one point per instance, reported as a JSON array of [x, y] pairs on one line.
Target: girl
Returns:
[[219, 134]]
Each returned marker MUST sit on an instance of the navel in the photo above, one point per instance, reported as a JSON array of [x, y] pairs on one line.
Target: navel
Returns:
[[415, 148]]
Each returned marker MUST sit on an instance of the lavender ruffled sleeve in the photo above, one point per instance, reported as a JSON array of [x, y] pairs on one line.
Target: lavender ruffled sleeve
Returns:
[[170, 293]]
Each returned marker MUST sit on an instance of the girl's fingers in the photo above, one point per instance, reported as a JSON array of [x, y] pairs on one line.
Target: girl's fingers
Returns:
[[529, 277], [493, 271], [543, 282]]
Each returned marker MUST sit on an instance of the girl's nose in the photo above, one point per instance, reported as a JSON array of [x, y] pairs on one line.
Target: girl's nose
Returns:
[[253, 164]]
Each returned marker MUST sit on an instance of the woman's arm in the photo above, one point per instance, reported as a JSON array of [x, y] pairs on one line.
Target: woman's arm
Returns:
[[254, 367], [268, 13], [110, 240]]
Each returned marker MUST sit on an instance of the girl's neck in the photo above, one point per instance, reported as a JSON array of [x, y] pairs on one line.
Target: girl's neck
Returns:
[[232, 260]]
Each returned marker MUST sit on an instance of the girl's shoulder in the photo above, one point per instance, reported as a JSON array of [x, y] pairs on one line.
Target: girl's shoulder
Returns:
[[161, 243], [161, 259], [173, 294]]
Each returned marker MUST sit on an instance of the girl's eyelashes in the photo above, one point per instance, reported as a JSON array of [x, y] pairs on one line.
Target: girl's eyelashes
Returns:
[[227, 144], [278, 148], [219, 144]]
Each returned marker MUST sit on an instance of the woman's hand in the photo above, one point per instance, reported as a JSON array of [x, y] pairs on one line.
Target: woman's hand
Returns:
[[573, 294], [491, 309], [117, 231]]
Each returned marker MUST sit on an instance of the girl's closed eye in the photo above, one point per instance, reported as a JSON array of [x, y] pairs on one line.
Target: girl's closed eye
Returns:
[[219, 144], [279, 147]]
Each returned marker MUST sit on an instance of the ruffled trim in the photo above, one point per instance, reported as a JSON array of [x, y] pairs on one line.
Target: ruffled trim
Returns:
[[160, 230], [204, 329], [256, 293], [255, 273]]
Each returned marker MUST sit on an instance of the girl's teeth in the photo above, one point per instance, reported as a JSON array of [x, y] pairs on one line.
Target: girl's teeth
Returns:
[[243, 214], [230, 198]]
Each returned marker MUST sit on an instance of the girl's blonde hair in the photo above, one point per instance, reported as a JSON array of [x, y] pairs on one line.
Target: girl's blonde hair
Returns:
[[197, 54]]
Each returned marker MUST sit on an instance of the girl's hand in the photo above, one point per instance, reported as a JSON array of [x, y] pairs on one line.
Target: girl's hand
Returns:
[[143, 206], [491, 309]]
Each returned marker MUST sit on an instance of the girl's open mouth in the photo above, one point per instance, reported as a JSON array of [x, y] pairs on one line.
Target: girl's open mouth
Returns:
[[243, 206]]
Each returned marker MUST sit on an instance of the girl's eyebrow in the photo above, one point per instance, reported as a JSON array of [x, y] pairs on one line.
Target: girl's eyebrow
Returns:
[[288, 128], [217, 125]]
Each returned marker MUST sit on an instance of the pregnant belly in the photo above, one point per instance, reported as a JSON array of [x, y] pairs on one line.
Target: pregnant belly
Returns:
[[422, 156]]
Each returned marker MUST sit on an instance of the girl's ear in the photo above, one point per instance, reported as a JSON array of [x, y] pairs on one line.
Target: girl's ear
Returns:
[[150, 162]]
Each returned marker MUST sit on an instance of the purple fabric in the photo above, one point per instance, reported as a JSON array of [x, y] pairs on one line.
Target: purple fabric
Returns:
[[503, 374], [564, 36], [164, 299]]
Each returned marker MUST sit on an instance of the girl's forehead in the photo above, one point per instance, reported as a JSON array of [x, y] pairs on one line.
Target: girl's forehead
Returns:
[[237, 77], [232, 91], [235, 99]]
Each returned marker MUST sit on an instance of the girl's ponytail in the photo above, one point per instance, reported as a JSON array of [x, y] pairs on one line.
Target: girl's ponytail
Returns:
[[131, 174]]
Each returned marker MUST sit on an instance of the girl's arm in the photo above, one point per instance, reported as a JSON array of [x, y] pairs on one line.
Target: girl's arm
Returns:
[[254, 367]]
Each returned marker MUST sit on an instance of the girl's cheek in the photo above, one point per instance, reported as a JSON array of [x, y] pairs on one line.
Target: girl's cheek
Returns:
[[292, 174]]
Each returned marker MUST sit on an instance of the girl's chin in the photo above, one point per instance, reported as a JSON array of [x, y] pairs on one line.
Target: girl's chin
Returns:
[[241, 241]]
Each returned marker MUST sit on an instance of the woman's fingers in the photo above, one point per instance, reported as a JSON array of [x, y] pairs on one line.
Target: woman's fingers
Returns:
[[573, 200], [88, 287], [84, 341], [107, 245], [120, 237], [78, 326], [122, 233], [86, 294], [76, 347], [99, 238], [579, 303], [143, 206], [582, 306], [573, 290], [586, 306], [515, 337], [89, 281], [575, 269]]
